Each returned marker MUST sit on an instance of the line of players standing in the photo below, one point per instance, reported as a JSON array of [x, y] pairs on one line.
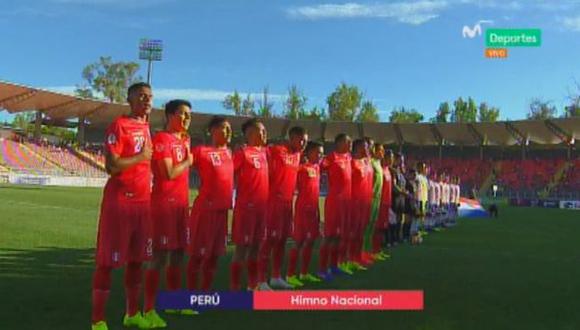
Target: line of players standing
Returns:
[[140, 223]]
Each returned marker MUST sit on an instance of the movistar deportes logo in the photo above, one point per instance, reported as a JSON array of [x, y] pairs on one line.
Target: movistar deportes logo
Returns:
[[475, 31]]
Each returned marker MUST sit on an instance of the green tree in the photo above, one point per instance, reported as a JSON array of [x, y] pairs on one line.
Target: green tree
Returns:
[[487, 113], [443, 112], [295, 103], [24, 121], [316, 113], [540, 109], [266, 107], [464, 112], [368, 113], [108, 78], [248, 105], [403, 115], [344, 103], [233, 102]]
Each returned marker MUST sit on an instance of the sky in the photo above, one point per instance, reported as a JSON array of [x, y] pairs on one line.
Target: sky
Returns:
[[399, 53]]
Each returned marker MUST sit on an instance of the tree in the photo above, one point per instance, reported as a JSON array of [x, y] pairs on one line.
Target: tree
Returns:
[[108, 78], [295, 103], [248, 106], [540, 109], [344, 102], [316, 113], [233, 102], [265, 109], [24, 121], [464, 112], [403, 115], [488, 114], [368, 113], [443, 112]]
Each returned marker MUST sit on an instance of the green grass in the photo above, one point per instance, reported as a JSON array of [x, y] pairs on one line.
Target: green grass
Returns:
[[521, 271]]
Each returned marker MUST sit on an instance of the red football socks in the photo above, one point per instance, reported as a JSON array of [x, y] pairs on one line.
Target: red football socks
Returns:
[[151, 286], [133, 279]]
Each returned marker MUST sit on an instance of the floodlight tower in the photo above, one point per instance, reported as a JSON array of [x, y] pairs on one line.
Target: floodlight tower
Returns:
[[150, 50]]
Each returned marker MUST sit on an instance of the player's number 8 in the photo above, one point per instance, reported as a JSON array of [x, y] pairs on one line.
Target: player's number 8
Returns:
[[179, 154]]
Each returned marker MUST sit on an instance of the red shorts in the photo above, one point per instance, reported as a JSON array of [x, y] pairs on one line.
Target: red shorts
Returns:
[[169, 224], [306, 223], [207, 232], [249, 225], [124, 234], [279, 220], [336, 217], [383, 219]]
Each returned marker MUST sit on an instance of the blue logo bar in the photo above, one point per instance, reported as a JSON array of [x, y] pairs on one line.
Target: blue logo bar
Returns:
[[205, 300]]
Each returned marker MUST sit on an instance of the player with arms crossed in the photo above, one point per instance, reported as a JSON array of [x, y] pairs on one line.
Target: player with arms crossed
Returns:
[[252, 184], [208, 222], [124, 235], [306, 226], [169, 204]]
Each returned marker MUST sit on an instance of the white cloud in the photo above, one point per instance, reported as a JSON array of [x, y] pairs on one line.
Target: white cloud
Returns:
[[208, 94], [191, 94], [129, 4], [417, 12], [571, 23]]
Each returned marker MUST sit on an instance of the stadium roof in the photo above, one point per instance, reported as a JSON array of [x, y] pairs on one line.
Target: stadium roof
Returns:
[[16, 98]]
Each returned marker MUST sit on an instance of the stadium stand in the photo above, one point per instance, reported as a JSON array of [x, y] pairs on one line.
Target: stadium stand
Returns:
[[66, 160], [530, 156], [19, 157]]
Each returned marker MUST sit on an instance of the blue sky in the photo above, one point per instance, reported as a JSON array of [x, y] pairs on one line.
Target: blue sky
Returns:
[[400, 53]]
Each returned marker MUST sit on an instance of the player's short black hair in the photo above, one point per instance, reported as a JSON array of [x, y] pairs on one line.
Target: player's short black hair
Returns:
[[172, 106], [420, 165], [358, 143], [252, 122], [340, 137], [369, 140], [312, 145], [387, 150], [216, 121], [136, 86], [297, 131]]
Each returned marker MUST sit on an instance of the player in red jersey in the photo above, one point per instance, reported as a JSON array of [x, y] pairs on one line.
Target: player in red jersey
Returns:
[[283, 163], [337, 165], [169, 203], [252, 184], [362, 176], [124, 233], [306, 226], [207, 227]]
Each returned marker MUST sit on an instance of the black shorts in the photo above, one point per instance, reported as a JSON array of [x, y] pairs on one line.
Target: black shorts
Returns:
[[399, 206]]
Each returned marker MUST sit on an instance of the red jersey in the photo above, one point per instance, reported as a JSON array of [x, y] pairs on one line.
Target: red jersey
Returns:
[[338, 168], [308, 185], [167, 145], [362, 180], [216, 170], [283, 167], [251, 170], [386, 194], [126, 137]]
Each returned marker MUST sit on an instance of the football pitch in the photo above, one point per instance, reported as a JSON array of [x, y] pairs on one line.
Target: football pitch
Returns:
[[521, 271]]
